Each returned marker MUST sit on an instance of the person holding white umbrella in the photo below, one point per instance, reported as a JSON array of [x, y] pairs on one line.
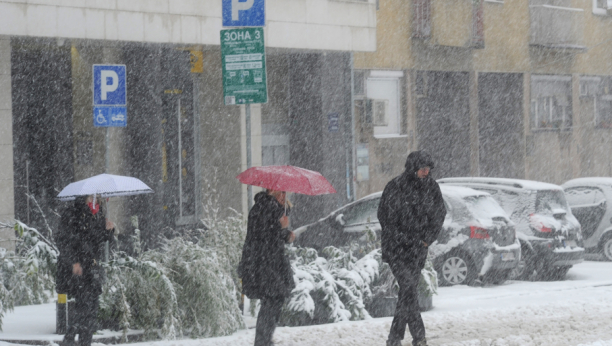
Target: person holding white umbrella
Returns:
[[84, 230], [81, 238]]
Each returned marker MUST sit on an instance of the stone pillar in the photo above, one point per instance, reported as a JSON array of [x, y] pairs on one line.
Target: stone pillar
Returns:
[[527, 141], [7, 189], [474, 134], [578, 128]]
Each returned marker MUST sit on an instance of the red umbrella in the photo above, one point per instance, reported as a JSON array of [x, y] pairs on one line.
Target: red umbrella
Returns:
[[287, 178]]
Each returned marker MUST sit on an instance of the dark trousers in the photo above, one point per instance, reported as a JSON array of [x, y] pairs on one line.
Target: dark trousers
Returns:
[[407, 309], [269, 313], [85, 316]]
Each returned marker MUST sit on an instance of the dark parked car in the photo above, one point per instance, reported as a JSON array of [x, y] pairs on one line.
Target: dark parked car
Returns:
[[477, 237], [550, 235], [591, 203]]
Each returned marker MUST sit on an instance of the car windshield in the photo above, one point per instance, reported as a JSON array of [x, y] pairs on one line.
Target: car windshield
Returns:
[[549, 200], [483, 207]]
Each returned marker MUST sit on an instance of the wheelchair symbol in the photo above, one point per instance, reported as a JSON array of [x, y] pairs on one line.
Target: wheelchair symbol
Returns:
[[100, 118]]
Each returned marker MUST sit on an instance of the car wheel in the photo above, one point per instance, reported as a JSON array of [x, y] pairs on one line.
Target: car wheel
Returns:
[[456, 269], [606, 248]]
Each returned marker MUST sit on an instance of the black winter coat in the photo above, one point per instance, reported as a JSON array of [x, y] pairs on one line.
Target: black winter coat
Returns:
[[264, 268], [411, 212], [81, 239]]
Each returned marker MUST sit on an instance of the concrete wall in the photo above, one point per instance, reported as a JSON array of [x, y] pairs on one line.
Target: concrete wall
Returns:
[[310, 24], [7, 209]]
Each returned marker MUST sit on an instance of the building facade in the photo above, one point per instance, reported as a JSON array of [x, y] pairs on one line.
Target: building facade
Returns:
[[512, 88], [180, 139]]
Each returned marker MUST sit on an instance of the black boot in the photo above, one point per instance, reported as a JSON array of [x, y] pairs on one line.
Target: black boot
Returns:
[[394, 342], [422, 342]]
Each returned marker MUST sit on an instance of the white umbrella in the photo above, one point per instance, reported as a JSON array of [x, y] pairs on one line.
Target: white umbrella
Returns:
[[105, 185]]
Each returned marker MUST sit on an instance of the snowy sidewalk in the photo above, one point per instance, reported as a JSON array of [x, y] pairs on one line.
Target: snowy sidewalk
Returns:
[[35, 325], [577, 311]]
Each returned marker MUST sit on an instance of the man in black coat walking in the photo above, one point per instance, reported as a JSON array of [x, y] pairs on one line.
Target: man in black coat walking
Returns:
[[84, 230], [264, 268], [411, 213]]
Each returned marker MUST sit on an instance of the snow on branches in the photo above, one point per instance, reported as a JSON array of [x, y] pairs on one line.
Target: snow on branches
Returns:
[[182, 288], [342, 284]]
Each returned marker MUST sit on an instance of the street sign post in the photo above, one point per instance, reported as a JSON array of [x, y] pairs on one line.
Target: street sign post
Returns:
[[109, 96], [109, 106], [243, 60], [244, 13]]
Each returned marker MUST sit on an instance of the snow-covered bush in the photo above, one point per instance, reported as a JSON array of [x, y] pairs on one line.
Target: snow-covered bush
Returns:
[[340, 283], [27, 275], [180, 289], [331, 288], [138, 294], [428, 285], [205, 292]]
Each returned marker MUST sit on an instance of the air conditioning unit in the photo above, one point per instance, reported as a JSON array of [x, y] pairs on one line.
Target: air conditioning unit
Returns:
[[376, 112]]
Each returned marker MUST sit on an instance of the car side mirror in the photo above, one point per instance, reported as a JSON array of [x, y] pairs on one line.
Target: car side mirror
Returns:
[[337, 221]]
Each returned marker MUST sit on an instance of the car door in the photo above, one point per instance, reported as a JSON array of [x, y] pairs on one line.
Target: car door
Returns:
[[588, 204]]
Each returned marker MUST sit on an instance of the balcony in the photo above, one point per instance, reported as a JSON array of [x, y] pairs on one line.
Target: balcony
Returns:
[[557, 27]]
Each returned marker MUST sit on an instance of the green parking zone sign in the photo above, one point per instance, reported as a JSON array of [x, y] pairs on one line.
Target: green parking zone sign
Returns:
[[243, 58]]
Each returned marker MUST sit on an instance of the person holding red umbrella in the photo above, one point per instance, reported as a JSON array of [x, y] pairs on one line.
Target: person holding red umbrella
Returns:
[[264, 268]]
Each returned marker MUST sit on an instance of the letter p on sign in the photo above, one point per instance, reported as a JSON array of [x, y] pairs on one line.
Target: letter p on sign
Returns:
[[239, 13], [106, 87], [238, 5], [109, 85]]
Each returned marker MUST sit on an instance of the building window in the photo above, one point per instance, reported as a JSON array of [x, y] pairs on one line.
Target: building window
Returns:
[[359, 78], [601, 6], [274, 149], [599, 90], [363, 162], [551, 102], [383, 103]]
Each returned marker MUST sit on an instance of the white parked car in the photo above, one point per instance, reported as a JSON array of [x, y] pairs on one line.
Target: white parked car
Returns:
[[591, 203], [550, 235]]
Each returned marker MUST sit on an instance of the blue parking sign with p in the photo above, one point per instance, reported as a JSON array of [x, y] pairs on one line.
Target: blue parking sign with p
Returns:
[[244, 13], [109, 96], [109, 85]]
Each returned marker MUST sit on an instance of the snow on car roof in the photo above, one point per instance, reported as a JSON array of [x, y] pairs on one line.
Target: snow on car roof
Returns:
[[460, 192], [516, 183], [589, 181]]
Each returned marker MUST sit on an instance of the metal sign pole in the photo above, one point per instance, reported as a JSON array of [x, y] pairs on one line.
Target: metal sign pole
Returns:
[[106, 211], [247, 112]]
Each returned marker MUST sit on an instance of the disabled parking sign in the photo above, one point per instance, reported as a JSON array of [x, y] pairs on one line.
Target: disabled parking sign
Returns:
[[110, 116], [109, 96]]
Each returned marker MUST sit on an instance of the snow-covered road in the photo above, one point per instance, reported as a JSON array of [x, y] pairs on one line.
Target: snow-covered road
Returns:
[[577, 311]]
